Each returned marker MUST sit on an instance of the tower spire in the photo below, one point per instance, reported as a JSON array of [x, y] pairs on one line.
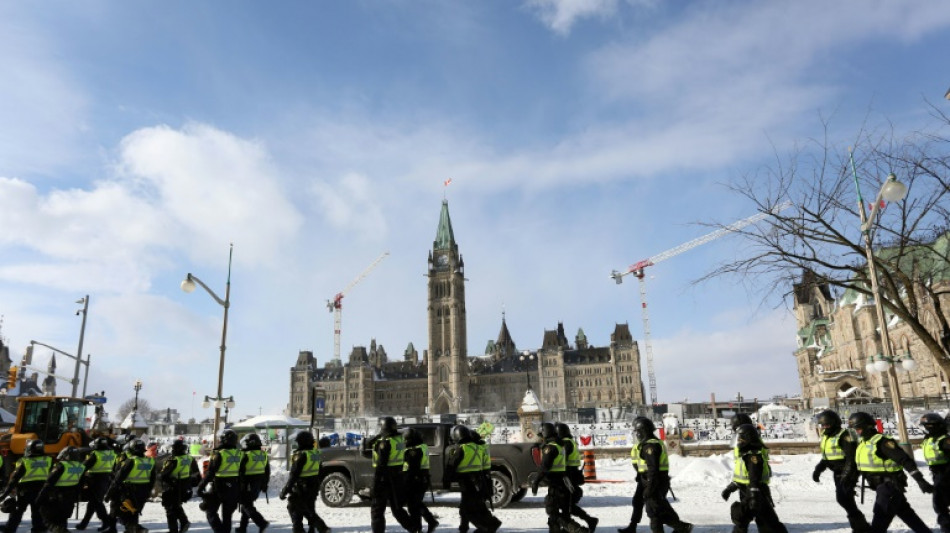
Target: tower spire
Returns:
[[444, 236]]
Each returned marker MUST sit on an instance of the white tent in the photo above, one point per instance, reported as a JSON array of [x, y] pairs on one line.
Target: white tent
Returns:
[[270, 422]]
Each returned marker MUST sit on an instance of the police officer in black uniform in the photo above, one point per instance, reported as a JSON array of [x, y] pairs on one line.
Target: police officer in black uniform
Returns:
[[255, 475], [222, 474], [881, 461], [557, 503], [28, 477], [302, 486], [132, 486], [99, 464], [464, 465], [417, 481], [637, 501], [936, 448], [653, 465], [751, 474], [388, 487], [61, 490], [572, 456], [179, 474], [837, 454]]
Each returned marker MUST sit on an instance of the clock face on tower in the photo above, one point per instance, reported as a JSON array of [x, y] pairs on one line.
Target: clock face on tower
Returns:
[[443, 260]]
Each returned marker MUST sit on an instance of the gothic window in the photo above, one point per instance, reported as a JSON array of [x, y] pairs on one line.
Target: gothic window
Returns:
[[443, 373]]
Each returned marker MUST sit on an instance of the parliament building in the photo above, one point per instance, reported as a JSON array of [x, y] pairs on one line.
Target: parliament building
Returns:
[[838, 335], [564, 373]]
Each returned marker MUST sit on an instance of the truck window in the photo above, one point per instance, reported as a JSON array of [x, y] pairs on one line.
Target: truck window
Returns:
[[35, 418], [428, 435]]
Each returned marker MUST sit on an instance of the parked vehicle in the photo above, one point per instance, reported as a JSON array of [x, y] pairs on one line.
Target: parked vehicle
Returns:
[[346, 472]]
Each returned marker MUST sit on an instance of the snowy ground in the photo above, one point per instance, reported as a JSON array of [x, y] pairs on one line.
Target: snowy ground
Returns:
[[801, 504]]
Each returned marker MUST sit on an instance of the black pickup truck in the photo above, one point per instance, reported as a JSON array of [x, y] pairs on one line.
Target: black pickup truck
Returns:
[[349, 471]]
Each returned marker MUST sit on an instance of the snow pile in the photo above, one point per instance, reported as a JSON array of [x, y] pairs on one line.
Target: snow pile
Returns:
[[712, 471]]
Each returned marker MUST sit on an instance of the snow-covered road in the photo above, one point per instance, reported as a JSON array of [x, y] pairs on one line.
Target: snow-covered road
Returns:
[[801, 504]]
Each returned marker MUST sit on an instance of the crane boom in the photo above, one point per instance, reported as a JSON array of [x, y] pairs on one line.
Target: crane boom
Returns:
[[637, 270], [335, 305]]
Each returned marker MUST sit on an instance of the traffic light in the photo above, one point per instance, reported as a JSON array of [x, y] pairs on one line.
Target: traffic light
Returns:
[[11, 380], [28, 356]]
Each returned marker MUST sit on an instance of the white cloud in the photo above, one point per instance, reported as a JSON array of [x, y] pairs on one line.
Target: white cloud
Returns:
[[560, 15], [351, 204]]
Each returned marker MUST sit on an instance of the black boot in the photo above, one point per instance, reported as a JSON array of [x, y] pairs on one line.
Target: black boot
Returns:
[[592, 523]]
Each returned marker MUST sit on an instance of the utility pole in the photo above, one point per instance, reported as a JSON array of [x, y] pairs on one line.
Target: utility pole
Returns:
[[82, 333]]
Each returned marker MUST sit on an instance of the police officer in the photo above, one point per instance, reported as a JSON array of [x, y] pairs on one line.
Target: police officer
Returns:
[[61, 490], [557, 502], [255, 475], [179, 474], [132, 486], [751, 474], [464, 465], [27, 479], [652, 463], [303, 484], [572, 456], [880, 460], [99, 465], [936, 448], [837, 454], [388, 459], [638, 500], [417, 480], [222, 475]]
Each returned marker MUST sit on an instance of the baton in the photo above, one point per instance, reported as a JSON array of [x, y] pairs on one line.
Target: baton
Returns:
[[862, 489], [673, 494]]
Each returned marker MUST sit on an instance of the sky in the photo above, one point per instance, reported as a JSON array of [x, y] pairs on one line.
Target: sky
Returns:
[[138, 141]]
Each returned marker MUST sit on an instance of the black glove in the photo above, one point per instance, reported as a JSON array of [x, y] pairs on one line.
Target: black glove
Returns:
[[816, 475], [284, 492], [534, 488], [924, 485], [730, 488], [201, 490]]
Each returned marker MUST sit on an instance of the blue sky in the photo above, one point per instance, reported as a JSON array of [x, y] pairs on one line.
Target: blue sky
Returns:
[[138, 140]]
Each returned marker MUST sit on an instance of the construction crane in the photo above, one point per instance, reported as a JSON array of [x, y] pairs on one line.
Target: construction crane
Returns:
[[335, 305], [637, 270]]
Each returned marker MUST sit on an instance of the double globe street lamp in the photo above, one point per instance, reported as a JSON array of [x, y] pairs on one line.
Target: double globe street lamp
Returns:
[[891, 191], [188, 285]]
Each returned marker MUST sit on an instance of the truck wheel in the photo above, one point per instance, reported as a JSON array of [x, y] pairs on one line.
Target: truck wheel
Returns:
[[336, 490], [517, 496], [501, 490]]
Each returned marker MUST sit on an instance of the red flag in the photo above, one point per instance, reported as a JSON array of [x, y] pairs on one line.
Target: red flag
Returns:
[[879, 206], [447, 182]]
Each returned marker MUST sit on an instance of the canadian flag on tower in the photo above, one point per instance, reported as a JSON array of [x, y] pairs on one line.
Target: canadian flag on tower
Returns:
[[447, 182]]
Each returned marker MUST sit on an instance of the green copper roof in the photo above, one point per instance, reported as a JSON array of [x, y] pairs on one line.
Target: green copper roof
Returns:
[[444, 238]]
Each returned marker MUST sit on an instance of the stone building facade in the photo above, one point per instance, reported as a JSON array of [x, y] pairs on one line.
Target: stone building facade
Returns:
[[446, 379], [836, 337]]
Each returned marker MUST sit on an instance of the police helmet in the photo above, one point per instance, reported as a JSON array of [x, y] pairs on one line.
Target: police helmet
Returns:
[[934, 424], [746, 435], [829, 421], [644, 428], [548, 431], [68, 453], [34, 448], [460, 434], [324, 442], [251, 441], [740, 418], [863, 424], [227, 438], [304, 440], [412, 436], [563, 430], [179, 447], [137, 447], [389, 426], [102, 444]]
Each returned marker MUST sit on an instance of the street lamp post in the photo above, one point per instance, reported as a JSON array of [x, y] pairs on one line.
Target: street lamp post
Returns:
[[526, 358], [891, 191], [82, 333], [219, 402], [137, 386], [188, 285]]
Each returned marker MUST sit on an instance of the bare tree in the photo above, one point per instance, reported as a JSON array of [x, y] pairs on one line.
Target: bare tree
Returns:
[[822, 232], [126, 407]]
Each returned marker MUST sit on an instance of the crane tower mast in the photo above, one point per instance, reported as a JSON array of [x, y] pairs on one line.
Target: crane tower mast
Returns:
[[335, 305], [637, 269]]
